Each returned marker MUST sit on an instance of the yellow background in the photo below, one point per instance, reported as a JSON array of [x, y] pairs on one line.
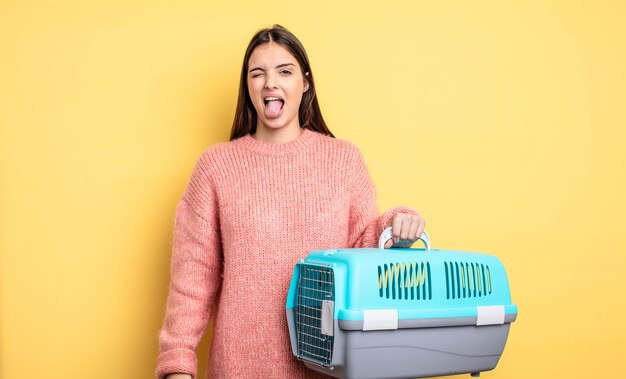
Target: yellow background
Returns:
[[502, 122]]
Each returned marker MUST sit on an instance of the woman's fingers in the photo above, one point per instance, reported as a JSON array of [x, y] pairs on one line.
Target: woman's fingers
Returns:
[[412, 234], [421, 226], [396, 227], [406, 229]]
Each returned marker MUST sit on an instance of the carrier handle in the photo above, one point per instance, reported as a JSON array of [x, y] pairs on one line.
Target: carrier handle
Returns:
[[386, 235]]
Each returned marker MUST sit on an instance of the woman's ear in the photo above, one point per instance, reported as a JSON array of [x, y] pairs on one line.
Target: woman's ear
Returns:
[[306, 82]]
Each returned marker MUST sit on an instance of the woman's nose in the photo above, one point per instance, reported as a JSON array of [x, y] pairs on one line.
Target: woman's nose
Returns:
[[270, 82]]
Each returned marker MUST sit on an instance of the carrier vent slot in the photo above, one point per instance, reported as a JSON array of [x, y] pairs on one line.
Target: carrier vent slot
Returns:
[[315, 284], [405, 281], [467, 280]]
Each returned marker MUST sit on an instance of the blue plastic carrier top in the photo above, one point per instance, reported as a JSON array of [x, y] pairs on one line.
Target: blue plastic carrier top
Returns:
[[419, 284]]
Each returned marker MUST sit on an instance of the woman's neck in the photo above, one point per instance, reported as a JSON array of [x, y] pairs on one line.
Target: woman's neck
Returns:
[[281, 135]]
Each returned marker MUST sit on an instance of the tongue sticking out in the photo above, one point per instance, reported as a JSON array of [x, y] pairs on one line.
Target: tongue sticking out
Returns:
[[273, 108]]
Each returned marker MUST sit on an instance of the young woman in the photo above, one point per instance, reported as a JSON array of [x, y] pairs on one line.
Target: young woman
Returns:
[[283, 186]]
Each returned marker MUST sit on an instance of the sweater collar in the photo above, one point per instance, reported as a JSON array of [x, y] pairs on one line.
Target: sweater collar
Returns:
[[248, 142]]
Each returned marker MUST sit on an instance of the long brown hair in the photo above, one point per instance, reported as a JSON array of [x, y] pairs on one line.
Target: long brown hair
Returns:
[[309, 113]]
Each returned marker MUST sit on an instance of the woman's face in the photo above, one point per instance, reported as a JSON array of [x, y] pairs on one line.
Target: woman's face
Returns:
[[275, 85]]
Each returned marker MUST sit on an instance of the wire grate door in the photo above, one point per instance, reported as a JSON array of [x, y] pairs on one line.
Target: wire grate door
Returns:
[[316, 286]]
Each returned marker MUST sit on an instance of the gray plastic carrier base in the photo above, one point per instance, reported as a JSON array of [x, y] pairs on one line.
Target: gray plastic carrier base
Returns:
[[414, 353]]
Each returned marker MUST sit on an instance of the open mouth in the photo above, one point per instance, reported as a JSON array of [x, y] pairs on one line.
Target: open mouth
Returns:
[[273, 106]]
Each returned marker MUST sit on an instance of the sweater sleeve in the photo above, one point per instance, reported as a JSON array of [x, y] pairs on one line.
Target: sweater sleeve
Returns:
[[366, 223], [195, 277]]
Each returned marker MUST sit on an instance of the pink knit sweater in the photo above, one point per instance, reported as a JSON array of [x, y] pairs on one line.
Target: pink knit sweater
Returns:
[[250, 212]]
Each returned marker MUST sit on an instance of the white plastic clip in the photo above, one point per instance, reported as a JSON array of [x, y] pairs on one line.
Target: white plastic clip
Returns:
[[380, 319], [490, 315]]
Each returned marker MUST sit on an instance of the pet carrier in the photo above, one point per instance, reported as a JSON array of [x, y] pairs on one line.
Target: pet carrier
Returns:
[[399, 313]]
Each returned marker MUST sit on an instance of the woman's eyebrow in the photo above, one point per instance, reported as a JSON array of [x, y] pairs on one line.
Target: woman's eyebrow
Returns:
[[279, 66], [285, 65]]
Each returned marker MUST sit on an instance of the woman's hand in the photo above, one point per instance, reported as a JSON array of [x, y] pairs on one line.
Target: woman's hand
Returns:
[[178, 376], [406, 229]]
